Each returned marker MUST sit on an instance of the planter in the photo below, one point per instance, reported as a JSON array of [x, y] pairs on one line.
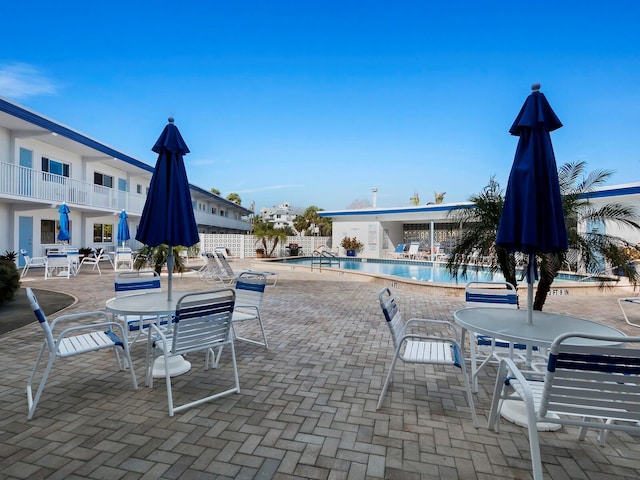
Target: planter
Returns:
[[351, 253]]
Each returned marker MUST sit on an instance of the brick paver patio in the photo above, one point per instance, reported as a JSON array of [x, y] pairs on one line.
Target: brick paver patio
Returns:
[[306, 407]]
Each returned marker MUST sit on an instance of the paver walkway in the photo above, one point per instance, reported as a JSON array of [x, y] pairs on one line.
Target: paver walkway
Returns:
[[306, 407]]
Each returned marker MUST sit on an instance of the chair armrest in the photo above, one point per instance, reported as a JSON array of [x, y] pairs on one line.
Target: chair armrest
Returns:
[[443, 323], [107, 323], [508, 371]]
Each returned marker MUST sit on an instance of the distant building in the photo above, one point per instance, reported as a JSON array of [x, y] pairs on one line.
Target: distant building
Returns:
[[281, 215]]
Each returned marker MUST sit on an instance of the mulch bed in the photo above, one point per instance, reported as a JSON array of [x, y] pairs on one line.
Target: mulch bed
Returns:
[[18, 312]]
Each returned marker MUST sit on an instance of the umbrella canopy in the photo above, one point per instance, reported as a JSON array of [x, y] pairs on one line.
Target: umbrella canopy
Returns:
[[168, 216], [63, 233], [532, 218], [123, 228]]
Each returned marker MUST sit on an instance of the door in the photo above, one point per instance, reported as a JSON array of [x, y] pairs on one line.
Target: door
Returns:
[[597, 227], [26, 176], [25, 237]]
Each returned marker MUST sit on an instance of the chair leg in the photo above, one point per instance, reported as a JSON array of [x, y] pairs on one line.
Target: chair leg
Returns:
[[467, 386], [32, 402], [386, 382]]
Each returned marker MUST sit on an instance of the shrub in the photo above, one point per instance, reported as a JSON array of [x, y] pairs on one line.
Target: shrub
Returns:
[[351, 243], [9, 278]]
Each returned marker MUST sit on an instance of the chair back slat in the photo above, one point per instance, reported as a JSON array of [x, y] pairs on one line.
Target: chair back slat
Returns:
[[395, 322], [42, 320], [593, 381], [202, 320], [250, 289], [491, 294], [131, 283]]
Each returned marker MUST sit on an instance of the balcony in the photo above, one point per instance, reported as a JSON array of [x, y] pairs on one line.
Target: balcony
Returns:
[[37, 186]]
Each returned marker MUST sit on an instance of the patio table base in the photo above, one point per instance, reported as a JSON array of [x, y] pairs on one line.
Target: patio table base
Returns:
[[516, 412], [177, 366]]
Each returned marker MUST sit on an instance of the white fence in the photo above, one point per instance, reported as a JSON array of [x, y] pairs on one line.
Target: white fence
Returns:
[[244, 246]]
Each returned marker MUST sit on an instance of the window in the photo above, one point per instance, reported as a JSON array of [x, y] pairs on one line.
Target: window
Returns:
[[213, 210], [55, 168], [139, 189], [102, 233], [102, 179], [49, 231]]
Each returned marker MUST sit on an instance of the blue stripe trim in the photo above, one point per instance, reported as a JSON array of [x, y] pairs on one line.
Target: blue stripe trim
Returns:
[[456, 356], [254, 287], [114, 337], [137, 285], [196, 311], [595, 363], [510, 299], [40, 315]]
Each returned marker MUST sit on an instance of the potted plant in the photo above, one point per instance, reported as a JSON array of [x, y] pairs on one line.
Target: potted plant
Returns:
[[351, 245]]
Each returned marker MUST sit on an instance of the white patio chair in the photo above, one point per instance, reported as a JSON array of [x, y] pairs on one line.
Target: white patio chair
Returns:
[[57, 265], [137, 283], [74, 260], [73, 340], [584, 386], [123, 258], [412, 252], [94, 260], [485, 349], [249, 288], [202, 324], [29, 262], [435, 343]]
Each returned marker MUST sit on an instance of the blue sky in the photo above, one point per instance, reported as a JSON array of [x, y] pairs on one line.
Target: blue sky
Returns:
[[316, 103]]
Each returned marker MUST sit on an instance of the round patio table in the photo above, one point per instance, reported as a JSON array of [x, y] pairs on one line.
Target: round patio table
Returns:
[[152, 304], [511, 325]]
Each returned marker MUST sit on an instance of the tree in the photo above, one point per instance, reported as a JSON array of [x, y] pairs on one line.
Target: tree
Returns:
[[415, 200], [439, 197], [157, 257], [310, 219], [235, 198], [215, 190], [593, 248], [268, 236], [479, 225], [478, 230]]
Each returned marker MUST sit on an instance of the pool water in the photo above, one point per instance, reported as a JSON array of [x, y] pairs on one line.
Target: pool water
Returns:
[[421, 271]]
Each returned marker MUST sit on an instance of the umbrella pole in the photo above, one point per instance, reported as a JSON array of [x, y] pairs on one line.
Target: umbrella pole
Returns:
[[531, 277], [170, 260]]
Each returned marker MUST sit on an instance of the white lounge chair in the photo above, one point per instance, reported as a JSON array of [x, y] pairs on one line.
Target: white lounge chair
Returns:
[[398, 252], [412, 252]]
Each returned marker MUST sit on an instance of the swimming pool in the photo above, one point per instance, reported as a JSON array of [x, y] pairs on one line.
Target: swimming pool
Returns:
[[419, 270]]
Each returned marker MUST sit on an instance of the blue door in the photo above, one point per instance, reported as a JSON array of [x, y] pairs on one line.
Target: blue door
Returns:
[[25, 237]]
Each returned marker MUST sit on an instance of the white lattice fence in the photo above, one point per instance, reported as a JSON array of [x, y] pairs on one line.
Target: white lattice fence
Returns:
[[244, 246]]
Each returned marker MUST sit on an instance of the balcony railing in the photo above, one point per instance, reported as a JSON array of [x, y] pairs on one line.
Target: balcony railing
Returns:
[[33, 184], [203, 218]]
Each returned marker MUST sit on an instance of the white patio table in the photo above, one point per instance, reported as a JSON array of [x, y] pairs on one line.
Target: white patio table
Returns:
[[509, 324], [152, 304]]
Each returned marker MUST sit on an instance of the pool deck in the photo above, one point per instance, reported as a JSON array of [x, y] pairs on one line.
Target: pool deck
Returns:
[[306, 407]]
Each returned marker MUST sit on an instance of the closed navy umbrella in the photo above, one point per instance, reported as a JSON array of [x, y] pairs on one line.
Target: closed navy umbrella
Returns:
[[63, 233], [123, 228], [168, 216], [532, 218]]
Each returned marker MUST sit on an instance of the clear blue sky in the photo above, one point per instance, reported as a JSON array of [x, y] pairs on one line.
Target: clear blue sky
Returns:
[[316, 102]]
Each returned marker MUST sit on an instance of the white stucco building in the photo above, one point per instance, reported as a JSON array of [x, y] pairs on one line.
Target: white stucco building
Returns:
[[381, 229], [44, 163]]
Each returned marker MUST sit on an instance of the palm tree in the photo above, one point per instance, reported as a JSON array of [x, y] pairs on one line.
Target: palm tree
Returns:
[[479, 227], [592, 248], [235, 198], [268, 236]]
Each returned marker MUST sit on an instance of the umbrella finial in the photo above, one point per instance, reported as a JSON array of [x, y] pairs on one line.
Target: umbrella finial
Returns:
[[535, 87], [170, 119]]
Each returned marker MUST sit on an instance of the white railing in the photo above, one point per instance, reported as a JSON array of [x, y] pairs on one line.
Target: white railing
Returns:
[[20, 181], [203, 218]]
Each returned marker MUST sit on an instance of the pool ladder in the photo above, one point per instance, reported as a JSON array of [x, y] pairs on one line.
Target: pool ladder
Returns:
[[322, 257]]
